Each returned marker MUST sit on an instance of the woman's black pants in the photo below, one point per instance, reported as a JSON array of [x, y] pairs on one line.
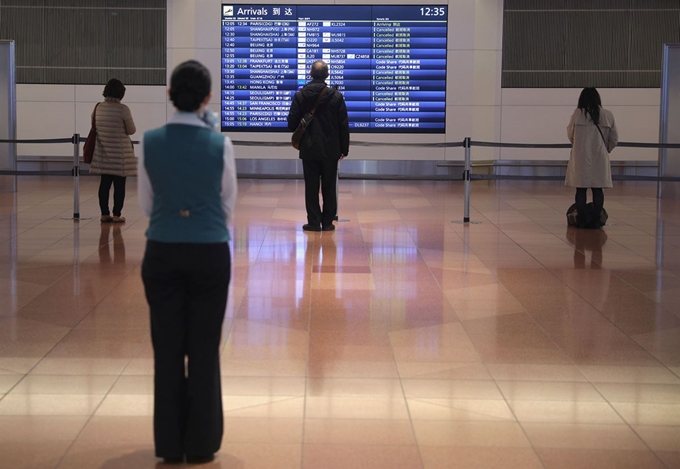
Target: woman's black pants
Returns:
[[582, 198], [186, 286], [118, 194]]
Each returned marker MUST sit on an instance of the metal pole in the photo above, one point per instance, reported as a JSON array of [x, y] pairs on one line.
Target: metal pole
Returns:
[[76, 177], [337, 190], [466, 178], [8, 116], [76, 259]]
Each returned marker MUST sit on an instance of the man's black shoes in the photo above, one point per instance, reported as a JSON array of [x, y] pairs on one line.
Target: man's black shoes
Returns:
[[200, 459], [308, 227]]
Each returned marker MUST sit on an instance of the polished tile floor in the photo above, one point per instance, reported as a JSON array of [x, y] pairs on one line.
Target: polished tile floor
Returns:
[[403, 340]]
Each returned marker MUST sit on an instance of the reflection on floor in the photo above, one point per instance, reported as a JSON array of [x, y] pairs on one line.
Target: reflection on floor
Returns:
[[402, 340]]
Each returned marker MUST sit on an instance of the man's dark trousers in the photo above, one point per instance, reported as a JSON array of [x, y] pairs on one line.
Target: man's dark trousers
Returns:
[[322, 172], [186, 286]]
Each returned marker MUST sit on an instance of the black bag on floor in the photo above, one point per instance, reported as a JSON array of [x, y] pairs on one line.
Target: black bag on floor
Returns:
[[590, 220]]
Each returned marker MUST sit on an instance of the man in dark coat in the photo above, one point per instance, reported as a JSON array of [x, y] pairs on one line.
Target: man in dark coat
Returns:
[[324, 143]]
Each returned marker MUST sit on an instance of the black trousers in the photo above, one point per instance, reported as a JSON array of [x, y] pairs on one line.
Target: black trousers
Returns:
[[186, 286], [581, 199], [324, 173], [118, 194]]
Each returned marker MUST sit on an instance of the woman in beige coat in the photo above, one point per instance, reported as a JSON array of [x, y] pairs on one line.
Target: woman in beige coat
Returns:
[[592, 133], [114, 157]]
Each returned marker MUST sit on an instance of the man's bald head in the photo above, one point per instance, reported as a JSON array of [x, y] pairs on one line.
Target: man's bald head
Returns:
[[319, 70]]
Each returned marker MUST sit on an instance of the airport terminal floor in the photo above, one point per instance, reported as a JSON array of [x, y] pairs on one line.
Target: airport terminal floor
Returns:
[[402, 340]]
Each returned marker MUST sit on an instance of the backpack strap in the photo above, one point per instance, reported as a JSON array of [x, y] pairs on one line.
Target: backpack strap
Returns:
[[601, 134], [318, 100]]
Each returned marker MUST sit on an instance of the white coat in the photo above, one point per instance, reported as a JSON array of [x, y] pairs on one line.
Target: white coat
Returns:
[[589, 160]]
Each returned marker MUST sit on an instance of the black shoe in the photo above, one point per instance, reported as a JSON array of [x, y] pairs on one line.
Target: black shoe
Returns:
[[175, 460], [330, 227], [309, 227], [200, 459]]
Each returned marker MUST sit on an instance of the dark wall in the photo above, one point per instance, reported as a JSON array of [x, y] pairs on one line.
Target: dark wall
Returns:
[[578, 43], [87, 41]]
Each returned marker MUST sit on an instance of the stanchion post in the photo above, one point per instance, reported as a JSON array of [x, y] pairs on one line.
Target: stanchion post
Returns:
[[76, 177], [466, 178]]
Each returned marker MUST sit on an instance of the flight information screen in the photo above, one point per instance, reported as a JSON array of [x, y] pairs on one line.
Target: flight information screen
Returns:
[[389, 62]]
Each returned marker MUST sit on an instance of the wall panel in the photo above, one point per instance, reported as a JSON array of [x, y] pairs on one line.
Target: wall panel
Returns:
[[86, 42], [578, 43]]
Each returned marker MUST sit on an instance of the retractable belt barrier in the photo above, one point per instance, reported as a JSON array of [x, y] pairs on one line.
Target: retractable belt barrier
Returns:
[[467, 144], [474, 143], [468, 176]]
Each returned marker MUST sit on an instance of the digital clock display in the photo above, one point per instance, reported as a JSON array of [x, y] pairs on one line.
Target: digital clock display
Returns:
[[389, 62], [433, 11]]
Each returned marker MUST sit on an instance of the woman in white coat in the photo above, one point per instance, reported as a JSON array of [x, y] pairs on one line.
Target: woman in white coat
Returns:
[[592, 133]]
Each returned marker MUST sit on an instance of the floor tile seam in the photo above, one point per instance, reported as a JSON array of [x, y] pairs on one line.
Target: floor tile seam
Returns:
[[308, 277], [624, 422], [106, 393], [226, 333], [362, 445], [473, 251], [645, 294], [434, 277], [536, 323], [575, 365], [19, 232], [518, 422], [564, 241], [129, 360], [75, 326], [405, 394], [635, 432], [593, 384], [11, 371], [111, 289], [473, 412], [587, 302], [51, 374], [75, 226], [252, 406], [80, 432], [609, 320], [514, 415], [69, 271]]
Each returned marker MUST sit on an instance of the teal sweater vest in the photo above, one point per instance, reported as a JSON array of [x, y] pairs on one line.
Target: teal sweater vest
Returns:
[[185, 165]]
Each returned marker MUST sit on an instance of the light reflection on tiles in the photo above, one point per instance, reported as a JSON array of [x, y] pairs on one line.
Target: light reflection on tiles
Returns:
[[401, 339]]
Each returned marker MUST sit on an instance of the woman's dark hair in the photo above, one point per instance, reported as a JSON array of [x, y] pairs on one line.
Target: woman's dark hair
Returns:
[[189, 85], [114, 89], [590, 103]]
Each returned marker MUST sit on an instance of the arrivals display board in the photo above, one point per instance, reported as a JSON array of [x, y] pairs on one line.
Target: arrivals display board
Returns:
[[389, 62]]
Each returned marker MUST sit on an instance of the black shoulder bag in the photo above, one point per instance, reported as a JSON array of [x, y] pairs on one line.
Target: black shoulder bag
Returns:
[[304, 122]]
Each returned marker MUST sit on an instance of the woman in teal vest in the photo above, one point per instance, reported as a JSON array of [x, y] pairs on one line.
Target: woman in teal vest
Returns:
[[187, 186]]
